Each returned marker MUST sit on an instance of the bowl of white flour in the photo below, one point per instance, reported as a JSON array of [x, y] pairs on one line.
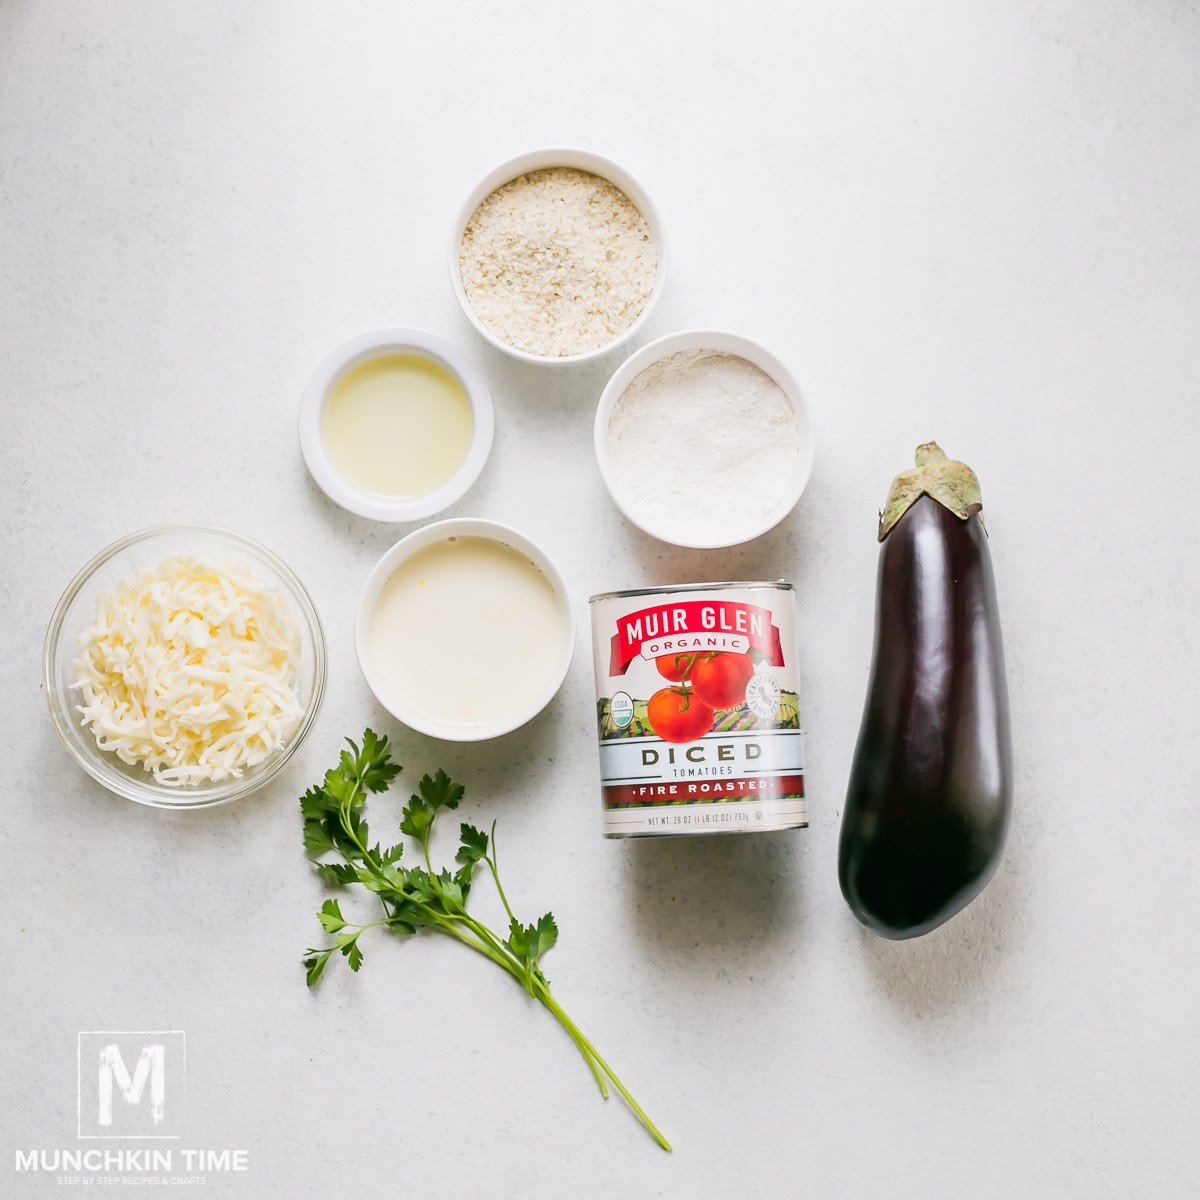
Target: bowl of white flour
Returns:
[[704, 439], [557, 256]]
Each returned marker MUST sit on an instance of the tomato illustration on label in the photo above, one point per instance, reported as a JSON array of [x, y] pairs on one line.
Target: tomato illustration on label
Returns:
[[674, 667], [720, 679], [677, 715]]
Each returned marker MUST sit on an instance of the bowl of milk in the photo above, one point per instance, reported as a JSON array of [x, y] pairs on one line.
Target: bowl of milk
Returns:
[[465, 630]]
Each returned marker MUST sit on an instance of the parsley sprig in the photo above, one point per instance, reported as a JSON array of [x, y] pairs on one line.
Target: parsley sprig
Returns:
[[418, 897]]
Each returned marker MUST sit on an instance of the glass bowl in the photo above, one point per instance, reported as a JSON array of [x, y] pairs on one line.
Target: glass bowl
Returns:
[[74, 612]]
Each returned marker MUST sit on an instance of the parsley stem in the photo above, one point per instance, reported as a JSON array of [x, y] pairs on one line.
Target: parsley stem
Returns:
[[585, 1047], [447, 925], [548, 1000], [499, 887], [493, 863], [490, 945]]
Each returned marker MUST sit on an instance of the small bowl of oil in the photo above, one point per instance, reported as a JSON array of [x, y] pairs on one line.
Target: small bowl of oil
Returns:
[[396, 425]]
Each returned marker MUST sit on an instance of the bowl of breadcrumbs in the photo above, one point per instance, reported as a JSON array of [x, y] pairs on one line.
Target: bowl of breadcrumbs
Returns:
[[558, 256]]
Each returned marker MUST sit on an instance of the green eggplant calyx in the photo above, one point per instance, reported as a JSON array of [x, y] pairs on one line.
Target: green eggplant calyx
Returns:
[[952, 484]]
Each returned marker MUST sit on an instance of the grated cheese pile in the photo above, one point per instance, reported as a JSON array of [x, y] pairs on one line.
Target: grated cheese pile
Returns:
[[557, 262], [187, 669]]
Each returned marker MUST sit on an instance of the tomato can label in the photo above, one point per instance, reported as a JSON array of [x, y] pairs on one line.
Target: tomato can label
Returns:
[[698, 709]]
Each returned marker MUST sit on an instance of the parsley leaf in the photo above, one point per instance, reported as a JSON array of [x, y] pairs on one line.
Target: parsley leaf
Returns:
[[418, 820], [440, 792], [474, 844], [330, 917], [374, 763], [314, 804], [315, 964], [317, 838], [451, 892], [338, 873], [347, 943], [530, 942]]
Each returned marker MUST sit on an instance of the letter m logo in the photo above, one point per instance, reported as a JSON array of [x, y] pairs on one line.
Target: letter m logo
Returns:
[[131, 1083]]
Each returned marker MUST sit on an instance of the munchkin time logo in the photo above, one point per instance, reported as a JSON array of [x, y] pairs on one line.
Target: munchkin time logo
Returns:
[[140, 1095], [131, 1088]]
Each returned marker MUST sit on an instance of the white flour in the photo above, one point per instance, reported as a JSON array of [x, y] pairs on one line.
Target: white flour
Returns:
[[702, 445]]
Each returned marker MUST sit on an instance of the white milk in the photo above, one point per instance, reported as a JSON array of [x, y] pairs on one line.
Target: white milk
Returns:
[[467, 631]]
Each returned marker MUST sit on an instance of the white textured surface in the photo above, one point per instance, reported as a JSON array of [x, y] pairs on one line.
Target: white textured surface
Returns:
[[970, 221]]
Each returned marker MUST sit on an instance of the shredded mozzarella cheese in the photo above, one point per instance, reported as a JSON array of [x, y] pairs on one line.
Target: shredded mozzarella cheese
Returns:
[[188, 670]]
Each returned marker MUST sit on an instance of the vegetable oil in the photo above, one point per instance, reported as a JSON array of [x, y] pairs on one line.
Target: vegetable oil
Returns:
[[398, 425]]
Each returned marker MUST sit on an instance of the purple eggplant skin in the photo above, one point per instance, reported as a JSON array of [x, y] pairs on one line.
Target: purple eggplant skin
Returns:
[[930, 788]]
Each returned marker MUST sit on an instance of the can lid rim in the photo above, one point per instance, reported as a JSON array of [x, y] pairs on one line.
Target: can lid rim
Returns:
[[776, 584]]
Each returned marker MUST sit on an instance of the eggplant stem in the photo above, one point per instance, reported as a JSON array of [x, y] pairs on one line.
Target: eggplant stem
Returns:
[[951, 483], [929, 453]]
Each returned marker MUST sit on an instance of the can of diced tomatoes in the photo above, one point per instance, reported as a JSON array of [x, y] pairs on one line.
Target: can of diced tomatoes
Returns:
[[698, 709]]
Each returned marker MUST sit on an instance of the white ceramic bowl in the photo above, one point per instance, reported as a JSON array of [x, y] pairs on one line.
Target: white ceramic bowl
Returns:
[[383, 570], [727, 343], [76, 611], [539, 160], [358, 350]]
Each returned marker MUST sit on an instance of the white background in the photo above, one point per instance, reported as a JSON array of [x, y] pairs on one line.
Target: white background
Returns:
[[965, 220]]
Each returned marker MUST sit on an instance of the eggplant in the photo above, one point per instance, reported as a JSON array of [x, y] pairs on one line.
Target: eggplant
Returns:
[[930, 788]]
